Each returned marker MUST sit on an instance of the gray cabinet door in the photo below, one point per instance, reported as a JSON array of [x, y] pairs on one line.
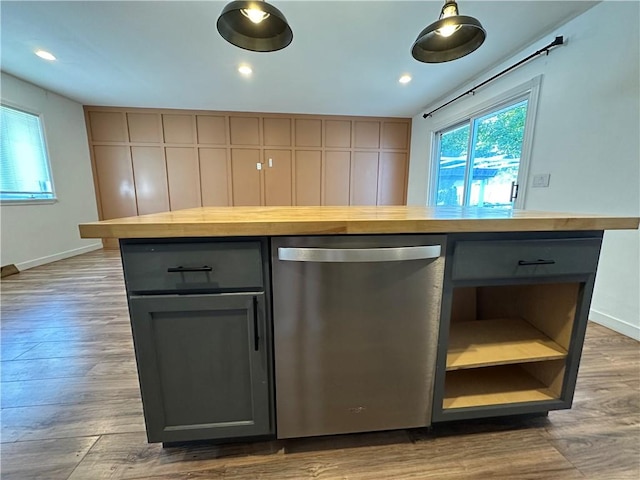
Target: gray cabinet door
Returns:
[[203, 363]]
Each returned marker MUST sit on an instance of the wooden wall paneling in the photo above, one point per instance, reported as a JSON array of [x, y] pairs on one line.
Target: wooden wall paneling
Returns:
[[246, 178], [115, 181], [392, 178], [244, 130], [211, 129], [395, 135], [329, 160], [214, 173], [178, 128], [308, 177], [150, 179], [144, 127], [183, 174], [277, 132], [308, 133], [107, 126], [366, 134], [364, 178], [337, 133], [336, 176], [277, 177]]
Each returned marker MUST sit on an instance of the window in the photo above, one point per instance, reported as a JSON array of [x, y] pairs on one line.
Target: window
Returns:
[[24, 167], [479, 161]]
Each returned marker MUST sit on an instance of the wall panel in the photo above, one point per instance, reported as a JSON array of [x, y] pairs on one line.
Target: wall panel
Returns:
[[144, 127], [183, 174], [392, 178], [246, 178], [245, 130], [395, 135], [366, 134], [189, 158], [277, 132], [150, 174], [115, 181], [308, 133], [178, 128], [212, 129], [277, 177], [336, 175], [308, 168], [107, 127], [364, 178], [214, 174], [337, 133]]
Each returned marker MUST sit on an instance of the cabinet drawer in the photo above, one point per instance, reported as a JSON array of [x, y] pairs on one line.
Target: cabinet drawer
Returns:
[[192, 267], [524, 258]]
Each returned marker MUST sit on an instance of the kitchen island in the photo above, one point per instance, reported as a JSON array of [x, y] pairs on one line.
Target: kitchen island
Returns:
[[254, 322]]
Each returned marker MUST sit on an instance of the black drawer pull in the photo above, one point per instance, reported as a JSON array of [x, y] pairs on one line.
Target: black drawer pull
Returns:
[[189, 269], [256, 336], [536, 262]]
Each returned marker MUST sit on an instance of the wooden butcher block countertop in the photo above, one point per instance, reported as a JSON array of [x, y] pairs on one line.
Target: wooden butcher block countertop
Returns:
[[267, 221]]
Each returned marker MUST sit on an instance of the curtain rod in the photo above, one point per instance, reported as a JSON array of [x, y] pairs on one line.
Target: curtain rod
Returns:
[[558, 41]]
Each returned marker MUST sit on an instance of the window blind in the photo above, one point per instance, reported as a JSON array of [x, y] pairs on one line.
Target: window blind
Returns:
[[24, 168]]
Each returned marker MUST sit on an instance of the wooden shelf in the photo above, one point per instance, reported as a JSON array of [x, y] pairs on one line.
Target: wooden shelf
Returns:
[[482, 343], [493, 386]]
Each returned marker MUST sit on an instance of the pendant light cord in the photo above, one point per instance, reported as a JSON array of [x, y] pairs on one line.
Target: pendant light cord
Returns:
[[558, 41]]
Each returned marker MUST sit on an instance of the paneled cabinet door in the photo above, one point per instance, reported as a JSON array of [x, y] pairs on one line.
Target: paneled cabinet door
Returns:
[[203, 364]]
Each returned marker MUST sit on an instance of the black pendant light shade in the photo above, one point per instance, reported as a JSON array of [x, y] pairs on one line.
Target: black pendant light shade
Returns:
[[451, 37], [255, 26]]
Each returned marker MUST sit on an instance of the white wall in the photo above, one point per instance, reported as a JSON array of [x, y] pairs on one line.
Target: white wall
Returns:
[[32, 235], [586, 136]]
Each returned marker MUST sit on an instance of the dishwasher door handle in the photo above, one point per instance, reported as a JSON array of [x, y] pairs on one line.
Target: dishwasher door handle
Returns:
[[348, 255]]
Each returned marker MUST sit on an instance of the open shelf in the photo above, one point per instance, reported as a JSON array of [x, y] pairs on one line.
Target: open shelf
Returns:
[[483, 343], [493, 386]]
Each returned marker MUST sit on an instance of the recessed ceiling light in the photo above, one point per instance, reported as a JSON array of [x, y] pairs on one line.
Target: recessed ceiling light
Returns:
[[405, 79], [46, 55], [245, 70]]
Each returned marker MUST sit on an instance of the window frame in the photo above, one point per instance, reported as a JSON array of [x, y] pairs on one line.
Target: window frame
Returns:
[[43, 132], [527, 91]]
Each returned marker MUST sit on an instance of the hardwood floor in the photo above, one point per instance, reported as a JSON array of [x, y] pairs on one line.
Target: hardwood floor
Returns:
[[71, 407]]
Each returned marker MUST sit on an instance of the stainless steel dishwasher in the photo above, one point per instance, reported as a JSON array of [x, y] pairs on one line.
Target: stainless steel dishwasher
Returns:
[[355, 325]]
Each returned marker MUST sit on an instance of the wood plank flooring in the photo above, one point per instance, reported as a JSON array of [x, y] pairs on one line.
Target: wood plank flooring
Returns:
[[71, 407]]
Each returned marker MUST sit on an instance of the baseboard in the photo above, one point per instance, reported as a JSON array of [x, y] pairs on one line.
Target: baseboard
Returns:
[[615, 324], [8, 270], [58, 256]]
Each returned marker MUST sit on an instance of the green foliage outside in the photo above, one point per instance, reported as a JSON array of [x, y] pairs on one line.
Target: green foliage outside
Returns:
[[498, 134]]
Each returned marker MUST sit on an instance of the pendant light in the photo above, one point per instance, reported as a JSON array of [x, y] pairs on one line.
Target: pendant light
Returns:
[[255, 26], [451, 37]]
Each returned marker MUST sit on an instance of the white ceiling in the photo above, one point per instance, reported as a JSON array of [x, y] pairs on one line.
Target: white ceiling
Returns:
[[345, 59]]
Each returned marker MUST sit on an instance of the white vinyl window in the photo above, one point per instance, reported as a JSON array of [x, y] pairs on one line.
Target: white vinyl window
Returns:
[[25, 175], [481, 160]]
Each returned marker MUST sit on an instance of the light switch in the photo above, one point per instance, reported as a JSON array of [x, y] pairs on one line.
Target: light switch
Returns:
[[541, 180]]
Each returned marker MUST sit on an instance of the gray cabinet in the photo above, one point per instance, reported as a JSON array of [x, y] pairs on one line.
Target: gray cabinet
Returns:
[[204, 359], [513, 319]]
